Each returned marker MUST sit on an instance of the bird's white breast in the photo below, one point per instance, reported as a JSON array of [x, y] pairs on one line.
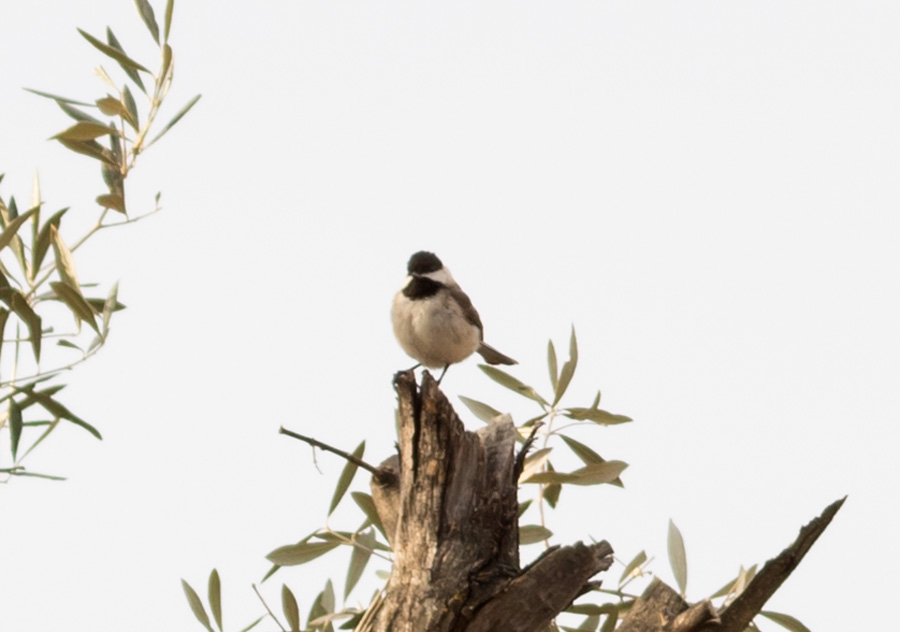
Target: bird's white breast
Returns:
[[434, 330]]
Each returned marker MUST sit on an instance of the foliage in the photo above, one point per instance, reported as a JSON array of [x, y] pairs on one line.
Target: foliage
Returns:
[[32, 282], [552, 427]]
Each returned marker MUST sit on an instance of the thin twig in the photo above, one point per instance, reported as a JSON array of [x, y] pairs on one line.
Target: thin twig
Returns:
[[324, 446], [266, 606], [520, 458], [161, 83], [67, 367], [571, 425], [618, 593], [643, 571], [354, 543], [98, 226], [132, 220], [70, 334], [542, 487], [365, 624]]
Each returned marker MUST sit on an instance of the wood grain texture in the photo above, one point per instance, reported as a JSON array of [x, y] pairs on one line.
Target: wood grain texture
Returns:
[[748, 604], [661, 609], [534, 598], [450, 502], [654, 610]]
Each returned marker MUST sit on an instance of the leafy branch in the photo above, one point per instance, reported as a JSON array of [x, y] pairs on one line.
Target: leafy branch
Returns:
[[32, 282], [551, 425], [538, 469]]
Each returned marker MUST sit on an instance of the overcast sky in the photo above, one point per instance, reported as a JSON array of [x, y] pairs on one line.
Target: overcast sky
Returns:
[[707, 190]]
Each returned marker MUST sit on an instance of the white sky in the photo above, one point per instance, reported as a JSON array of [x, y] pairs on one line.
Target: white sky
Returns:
[[707, 190]]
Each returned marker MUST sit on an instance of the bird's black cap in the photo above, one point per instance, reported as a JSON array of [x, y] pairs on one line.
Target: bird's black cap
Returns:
[[423, 262]]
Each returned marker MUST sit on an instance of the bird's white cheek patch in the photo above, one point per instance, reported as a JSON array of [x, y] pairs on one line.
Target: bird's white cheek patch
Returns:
[[441, 276]]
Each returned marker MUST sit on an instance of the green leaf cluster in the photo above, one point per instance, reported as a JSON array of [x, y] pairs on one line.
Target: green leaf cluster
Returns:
[[214, 598], [551, 428], [32, 282], [127, 132], [363, 543]]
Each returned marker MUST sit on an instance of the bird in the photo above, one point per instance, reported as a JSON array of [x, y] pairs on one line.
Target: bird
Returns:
[[435, 321]]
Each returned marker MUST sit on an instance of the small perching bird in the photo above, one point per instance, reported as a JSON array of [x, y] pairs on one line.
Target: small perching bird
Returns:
[[434, 321]]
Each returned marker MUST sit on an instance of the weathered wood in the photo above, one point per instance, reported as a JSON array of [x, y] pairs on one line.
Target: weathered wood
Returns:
[[385, 486], [456, 511], [702, 612], [532, 600], [455, 532], [448, 503], [748, 604], [661, 609], [656, 608]]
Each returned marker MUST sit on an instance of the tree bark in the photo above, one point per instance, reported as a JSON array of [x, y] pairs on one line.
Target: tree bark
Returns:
[[661, 609], [455, 534], [655, 609], [448, 503], [769, 579]]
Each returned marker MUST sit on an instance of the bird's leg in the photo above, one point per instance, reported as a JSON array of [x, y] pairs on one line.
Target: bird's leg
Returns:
[[446, 366], [413, 368]]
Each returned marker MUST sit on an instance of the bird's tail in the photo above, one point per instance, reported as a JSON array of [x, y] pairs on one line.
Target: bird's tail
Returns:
[[492, 356]]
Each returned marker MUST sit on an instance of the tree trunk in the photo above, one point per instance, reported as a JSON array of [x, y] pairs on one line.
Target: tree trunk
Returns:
[[455, 535]]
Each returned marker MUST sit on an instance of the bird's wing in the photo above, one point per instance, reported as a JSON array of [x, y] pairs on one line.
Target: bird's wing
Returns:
[[468, 310]]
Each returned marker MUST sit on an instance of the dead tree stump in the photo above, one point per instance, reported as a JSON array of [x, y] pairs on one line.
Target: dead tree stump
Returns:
[[449, 507], [452, 505]]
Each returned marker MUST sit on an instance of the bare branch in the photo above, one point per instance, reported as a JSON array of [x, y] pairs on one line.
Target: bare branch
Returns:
[[269, 610], [748, 604], [324, 446], [520, 458]]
